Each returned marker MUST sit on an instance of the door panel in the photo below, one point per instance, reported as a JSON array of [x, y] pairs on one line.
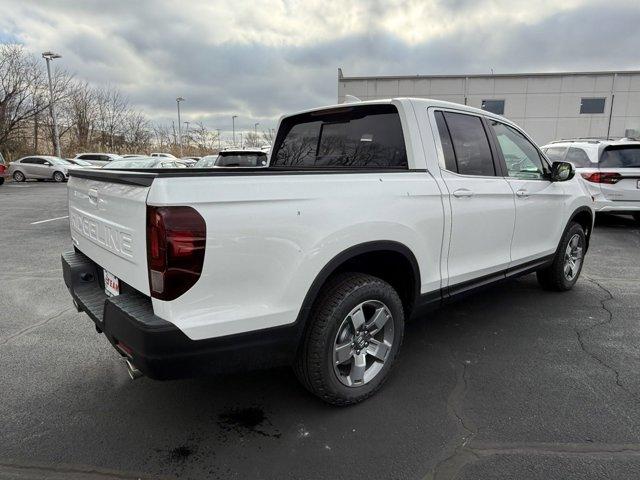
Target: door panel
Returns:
[[538, 201], [483, 216], [482, 204], [538, 224]]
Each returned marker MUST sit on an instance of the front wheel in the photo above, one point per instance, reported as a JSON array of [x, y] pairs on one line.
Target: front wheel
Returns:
[[563, 273], [58, 177], [352, 341]]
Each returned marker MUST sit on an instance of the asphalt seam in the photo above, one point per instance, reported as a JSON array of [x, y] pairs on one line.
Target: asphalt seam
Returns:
[[461, 455], [580, 335], [93, 471], [33, 327]]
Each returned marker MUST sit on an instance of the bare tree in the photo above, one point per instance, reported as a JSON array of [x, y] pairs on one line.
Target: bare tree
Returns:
[[252, 139], [137, 132], [268, 136], [112, 108], [83, 113], [23, 93]]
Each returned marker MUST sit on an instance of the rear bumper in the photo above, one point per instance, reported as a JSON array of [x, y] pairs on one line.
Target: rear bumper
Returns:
[[157, 347]]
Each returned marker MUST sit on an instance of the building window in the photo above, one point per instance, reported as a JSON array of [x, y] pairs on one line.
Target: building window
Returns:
[[592, 105], [493, 106]]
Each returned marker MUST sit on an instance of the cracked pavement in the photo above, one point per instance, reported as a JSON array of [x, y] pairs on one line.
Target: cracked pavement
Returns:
[[512, 382]]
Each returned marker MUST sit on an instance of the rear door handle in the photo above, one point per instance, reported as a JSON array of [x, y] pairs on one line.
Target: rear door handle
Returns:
[[463, 192], [522, 193]]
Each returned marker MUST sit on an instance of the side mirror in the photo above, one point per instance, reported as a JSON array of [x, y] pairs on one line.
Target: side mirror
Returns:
[[562, 171], [47, 164]]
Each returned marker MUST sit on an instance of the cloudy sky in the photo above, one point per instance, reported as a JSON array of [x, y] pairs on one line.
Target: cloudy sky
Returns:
[[258, 59]]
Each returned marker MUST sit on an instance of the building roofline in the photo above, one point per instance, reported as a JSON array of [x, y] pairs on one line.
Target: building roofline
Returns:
[[343, 78]]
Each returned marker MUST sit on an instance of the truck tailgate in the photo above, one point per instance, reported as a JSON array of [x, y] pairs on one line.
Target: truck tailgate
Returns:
[[108, 224]]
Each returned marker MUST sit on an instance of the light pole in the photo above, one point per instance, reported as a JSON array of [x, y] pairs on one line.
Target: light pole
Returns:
[[187, 135], [178, 100], [219, 144], [241, 141], [48, 56], [233, 122], [255, 127]]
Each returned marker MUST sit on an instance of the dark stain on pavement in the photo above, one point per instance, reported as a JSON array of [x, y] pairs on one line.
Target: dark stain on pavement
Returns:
[[251, 420]]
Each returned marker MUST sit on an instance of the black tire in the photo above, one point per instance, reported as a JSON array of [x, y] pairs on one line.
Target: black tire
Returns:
[[636, 217], [1, 180], [18, 176], [314, 364], [58, 177], [554, 276]]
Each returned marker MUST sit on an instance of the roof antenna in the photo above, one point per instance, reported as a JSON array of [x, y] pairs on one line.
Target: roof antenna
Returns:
[[351, 99]]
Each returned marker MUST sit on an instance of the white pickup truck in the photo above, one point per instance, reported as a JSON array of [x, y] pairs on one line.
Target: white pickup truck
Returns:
[[368, 215]]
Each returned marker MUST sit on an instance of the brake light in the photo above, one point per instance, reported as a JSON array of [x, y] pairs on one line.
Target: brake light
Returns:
[[176, 239], [602, 177]]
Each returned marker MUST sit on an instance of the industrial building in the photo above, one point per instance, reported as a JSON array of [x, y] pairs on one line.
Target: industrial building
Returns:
[[549, 106]]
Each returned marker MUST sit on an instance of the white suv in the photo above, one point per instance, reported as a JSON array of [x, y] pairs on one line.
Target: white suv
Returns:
[[611, 169]]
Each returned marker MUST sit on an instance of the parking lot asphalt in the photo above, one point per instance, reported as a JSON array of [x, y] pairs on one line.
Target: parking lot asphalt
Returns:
[[513, 382]]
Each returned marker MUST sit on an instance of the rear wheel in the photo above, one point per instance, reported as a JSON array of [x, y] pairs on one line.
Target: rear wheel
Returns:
[[1, 180], [563, 273], [18, 176], [58, 177], [352, 341]]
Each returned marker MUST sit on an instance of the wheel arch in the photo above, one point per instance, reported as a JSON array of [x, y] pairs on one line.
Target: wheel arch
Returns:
[[396, 261], [585, 217]]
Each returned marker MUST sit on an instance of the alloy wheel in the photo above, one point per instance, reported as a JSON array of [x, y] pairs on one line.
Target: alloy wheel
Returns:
[[362, 344], [573, 257]]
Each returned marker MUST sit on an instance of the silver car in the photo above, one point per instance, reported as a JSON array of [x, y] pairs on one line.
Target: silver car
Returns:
[[40, 167]]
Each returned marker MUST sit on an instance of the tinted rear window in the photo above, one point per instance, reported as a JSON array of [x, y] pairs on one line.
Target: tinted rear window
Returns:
[[621, 156], [470, 144], [239, 159], [555, 154], [368, 136], [578, 157]]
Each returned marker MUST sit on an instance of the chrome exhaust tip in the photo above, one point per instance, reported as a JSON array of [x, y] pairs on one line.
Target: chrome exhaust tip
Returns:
[[133, 372]]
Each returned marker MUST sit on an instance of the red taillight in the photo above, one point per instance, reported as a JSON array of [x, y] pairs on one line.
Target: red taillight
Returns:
[[176, 238], [602, 177]]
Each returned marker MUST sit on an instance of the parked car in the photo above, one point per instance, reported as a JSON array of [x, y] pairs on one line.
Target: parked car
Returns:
[[164, 155], [237, 157], [190, 161], [144, 162], [611, 169], [40, 167], [99, 159], [132, 155], [78, 163], [4, 169], [367, 215]]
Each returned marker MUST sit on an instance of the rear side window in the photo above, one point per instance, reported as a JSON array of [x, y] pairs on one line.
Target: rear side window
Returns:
[[445, 140], [578, 157], [355, 137], [621, 156], [470, 144], [555, 154]]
